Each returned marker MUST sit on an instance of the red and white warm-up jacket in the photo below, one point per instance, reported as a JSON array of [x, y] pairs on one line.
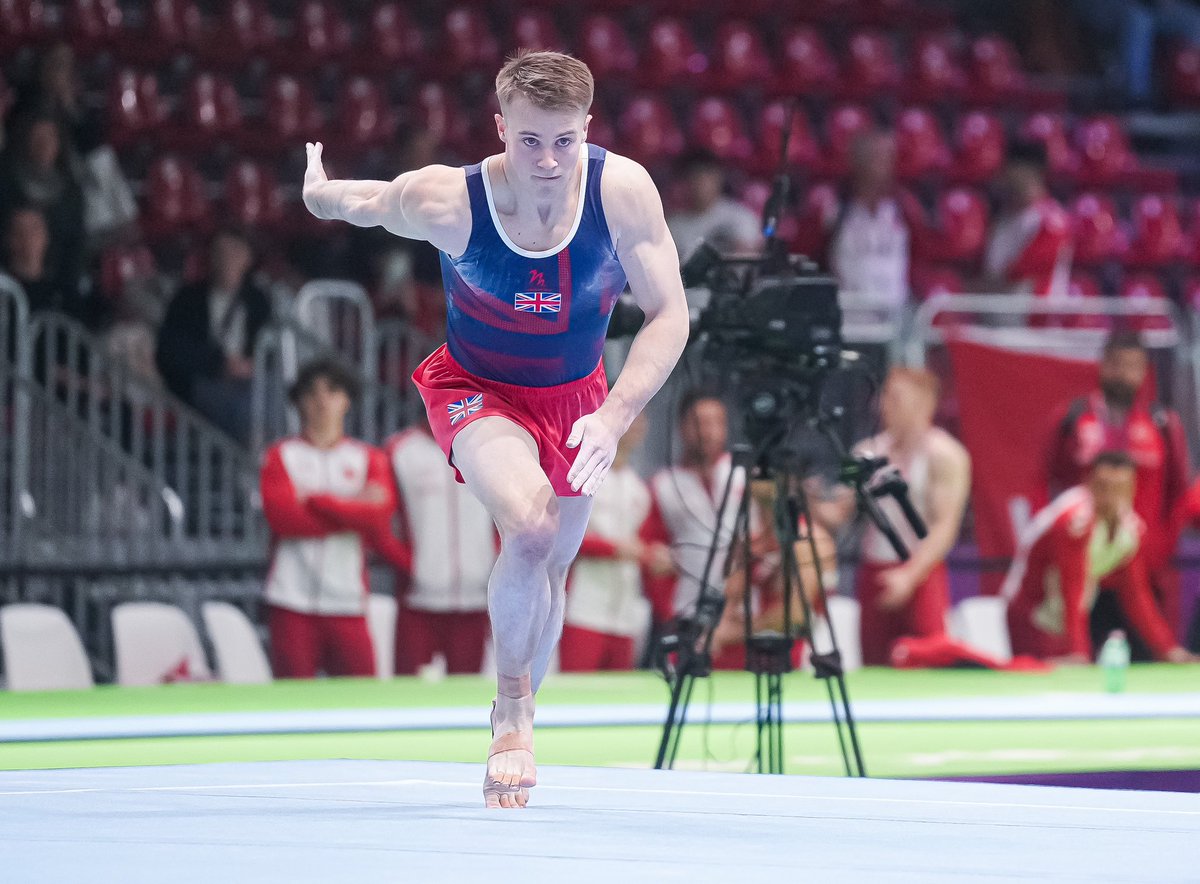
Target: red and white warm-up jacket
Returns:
[[320, 523], [1032, 249], [450, 534], [1062, 556], [605, 592]]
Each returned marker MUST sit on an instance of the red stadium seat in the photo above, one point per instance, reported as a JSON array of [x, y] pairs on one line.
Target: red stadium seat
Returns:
[[1157, 236], [436, 110], [808, 64], [803, 149], [391, 39], [601, 130], [320, 35], [920, 146], [170, 27], [469, 41], [604, 47], [871, 67], [980, 147], [1049, 130], [175, 200], [245, 29], [929, 282], [936, 74], [670, 57], [92, 24], [209, 110], [252, 197], [364, 118], [996, 75], [717, 126], [290, 117], [1191, 293], [22, 22], [1184, 75], [135, 108], [1105, 155], [649, 130], [817, 213], [740, 59], [535, 29], [1098, 237], [843, 127], [960, 227], [121, 265]]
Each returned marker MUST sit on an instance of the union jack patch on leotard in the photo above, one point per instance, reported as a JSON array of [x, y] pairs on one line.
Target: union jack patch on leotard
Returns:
[[460, 409], [538, 302]]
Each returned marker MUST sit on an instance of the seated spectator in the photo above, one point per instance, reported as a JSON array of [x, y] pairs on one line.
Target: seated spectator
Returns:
[[607, 610], [206, 342], [1086, 535], [37, 172], [26, 245], [871, 237], [707, 215], [324, 496], [1029, 247], [442, 594]]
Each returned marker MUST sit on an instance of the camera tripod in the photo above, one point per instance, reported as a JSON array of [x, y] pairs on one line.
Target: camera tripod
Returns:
[[769, 655]]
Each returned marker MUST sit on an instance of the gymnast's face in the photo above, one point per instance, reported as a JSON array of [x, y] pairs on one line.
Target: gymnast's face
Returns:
[[541, 147], [1112, 489]]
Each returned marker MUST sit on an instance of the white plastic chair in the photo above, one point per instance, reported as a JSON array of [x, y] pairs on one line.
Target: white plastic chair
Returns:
[[381, 623], [152, 640], [240, 655], [42, 650], [982, 623], [845, 614]]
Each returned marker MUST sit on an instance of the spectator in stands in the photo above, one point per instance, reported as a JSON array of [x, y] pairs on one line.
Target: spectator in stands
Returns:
[[1132, 28], [685, 501], [871, 236], [443, 594], [25, 262], [911, 598], [206, 341], [1116, 418], [325, 496], [56, 93], [1088, 534], [36, 171], [707, 215], [1029, 246], [607, 611]]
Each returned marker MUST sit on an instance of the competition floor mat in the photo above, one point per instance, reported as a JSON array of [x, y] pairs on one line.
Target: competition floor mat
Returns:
[[404, 821]]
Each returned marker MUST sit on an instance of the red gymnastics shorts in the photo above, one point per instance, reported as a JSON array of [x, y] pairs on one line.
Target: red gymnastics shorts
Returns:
[[455, 398]]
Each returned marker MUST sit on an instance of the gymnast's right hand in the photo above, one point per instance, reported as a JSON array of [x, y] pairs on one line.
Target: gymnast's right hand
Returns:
[[314, 177]]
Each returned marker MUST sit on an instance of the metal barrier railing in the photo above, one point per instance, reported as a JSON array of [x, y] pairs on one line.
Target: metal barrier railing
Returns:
[[214, 480], [14, 409]]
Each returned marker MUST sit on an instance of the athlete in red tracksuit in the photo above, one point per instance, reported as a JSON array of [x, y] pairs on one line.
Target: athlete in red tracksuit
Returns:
[[1086, 534], [325, 497], [1112, 419]]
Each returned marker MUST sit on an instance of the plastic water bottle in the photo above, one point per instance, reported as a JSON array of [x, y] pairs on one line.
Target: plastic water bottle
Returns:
[[1114, 658]]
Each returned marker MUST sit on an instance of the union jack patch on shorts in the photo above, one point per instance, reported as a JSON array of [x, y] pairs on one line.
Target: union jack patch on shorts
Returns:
[[460, 409]]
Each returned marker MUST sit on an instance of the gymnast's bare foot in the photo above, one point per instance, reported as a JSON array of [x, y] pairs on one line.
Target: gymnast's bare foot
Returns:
[[510, 765]]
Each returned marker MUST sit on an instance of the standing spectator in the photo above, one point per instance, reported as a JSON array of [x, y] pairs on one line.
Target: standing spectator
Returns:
[[871, 236], [55, 92], [684, 505], [707, 215], [443, 595], [206, 342], [1029, 247], [36, 171], [606, 607], [1087, 534], [1113, 418], [911, 598], [323, 495]]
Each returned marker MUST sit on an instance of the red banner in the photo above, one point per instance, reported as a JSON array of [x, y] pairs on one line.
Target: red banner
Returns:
[[1009, 405]]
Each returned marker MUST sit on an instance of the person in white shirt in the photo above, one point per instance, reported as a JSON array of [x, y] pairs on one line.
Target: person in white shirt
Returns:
[[707, 215], [443, 596], [606, 607]]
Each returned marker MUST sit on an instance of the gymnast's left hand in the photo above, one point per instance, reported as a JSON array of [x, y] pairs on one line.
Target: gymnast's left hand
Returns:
[[596, 437]]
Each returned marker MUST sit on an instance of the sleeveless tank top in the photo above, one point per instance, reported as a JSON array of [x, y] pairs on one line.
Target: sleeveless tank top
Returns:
[[534, 319]]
